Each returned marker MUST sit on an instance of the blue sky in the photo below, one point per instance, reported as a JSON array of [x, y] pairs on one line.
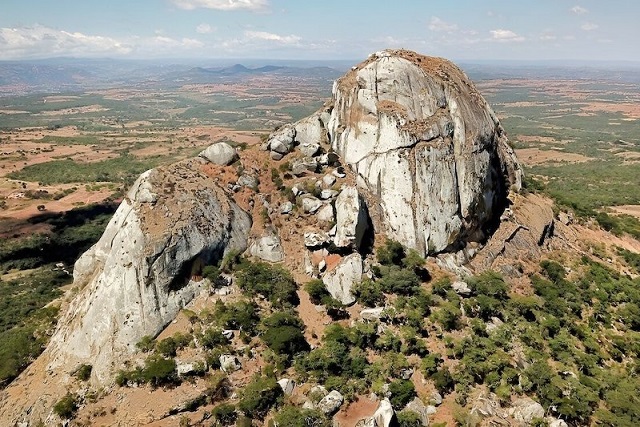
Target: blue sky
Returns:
[[321, 29]]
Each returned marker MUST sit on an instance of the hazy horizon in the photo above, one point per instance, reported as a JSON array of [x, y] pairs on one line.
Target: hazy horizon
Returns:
[[462, 30]]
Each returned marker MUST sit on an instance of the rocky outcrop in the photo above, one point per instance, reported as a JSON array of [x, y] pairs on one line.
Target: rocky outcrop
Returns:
[[220, 154], [351, 219], [525, 409], [383, 417], [341, 280], [267, 248], [331, 402], [425, 144], [137, 277]]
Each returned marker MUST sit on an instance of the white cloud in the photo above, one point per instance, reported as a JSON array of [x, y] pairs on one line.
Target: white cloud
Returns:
[[437, 24], [204, 29], [579, 10], [505, 36], [589, 26], [253, 5], [39, 40], [263, 35], [43, 42]]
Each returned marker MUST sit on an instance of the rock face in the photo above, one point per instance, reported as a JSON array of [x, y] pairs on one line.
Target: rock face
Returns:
[[426, 144], [524, 410], [331, 402], [136, 278], [221, 154], [340, 280], [351, 219], [267, 248], [383, 417]]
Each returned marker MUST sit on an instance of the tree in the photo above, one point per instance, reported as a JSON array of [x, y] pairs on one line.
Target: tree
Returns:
[[260, 395], [67, 406], [291, 416], [402, 392]]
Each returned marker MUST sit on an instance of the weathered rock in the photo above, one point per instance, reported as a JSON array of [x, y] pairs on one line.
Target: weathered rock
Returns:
[[340, 280], [525, 409], [310, 204], [328, 180], [310, 132], [554, 422], [436, 399], [493, 325], [439, 163], [326, 214], [248, 181], [190, 368], [300, 167], [309, 149], [331, 402], [406, 373], [220, 154], [384, 415], [228, 334], [327, 194], [230, 363], [287, 385], [461, 288], [286, 208], [267, 248], [281, 141], [315, 240], [372, 313], [417, 406], [486, 405], [351, 218], [135, 279]]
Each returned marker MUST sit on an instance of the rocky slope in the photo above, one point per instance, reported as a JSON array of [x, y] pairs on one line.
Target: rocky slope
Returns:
[[423, 141], [137, 277]]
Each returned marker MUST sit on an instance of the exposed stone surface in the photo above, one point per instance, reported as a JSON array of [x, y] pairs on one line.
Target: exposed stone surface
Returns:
[[383, 417], [281, 141], [310, 204], [220, 154], [287, 385], [417, 406], [314, 240], [351, 218], [486, 405], [248, 181], [286, 208], [438, 164], [331, 402], [461, 288], [340, 280], [371, 313], [309, 132], [135, 279], [229, 363], [436, 398], [525, 409], [267, 248], [326, 214]]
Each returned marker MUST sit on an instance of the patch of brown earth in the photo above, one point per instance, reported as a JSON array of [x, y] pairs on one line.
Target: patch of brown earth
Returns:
[[536, 156]]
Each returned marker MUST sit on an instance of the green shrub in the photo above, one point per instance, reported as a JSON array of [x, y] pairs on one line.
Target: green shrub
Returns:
[[317, 291], [369, 293], [83, 373], [159, 371], [283, 334], [260, 395], [291, 416], [224, 414], [443, 381], [67, 406], [391, 253], [271, 281], [402, 392], [146, 344], [409, 419]]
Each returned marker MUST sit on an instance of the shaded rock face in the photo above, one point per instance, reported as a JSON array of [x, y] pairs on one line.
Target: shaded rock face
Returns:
[[351, 219], [340, 281], [136, 278], [426, 144]]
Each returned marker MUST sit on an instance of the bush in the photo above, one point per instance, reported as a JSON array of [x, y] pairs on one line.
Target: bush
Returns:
[[391, 253], [159, 371], [402, 392], [443, 381], [260, 395], [317, 291], [409, 419], [83, 373], [67, 406], [146, 344], [369, 293], [224, 414], [291, 416], [283, 334], [271, 281]]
